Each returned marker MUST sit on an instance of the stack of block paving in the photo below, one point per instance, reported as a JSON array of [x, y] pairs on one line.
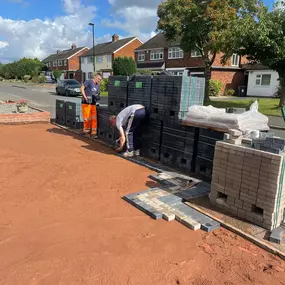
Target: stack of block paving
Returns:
[[249, 183], [177, 146], [159, 203], [205, 151], [150, 138], [74, 118], [139, 90], [105, 132], [172, 95], [60, 110], [269, 143], [117, 93]]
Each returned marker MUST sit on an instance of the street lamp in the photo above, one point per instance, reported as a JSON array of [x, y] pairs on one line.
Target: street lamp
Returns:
[[92, 24]]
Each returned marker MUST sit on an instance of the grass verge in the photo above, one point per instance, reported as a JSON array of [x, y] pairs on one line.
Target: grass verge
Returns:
[[268, 107]]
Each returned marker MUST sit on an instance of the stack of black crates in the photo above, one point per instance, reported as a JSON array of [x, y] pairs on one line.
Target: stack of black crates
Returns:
[[60, 110]]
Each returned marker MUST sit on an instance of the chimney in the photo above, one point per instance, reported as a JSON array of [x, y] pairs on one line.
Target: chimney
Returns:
[[73, 46], [115, 38], [58, 51]]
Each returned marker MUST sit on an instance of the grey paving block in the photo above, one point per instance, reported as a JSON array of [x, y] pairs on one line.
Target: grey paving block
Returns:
[[162, 181], [210, 226], [277, 235], [145, 208], [170, 199]]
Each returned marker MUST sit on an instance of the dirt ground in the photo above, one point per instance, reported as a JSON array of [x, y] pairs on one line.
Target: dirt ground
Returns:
[[62, 221]]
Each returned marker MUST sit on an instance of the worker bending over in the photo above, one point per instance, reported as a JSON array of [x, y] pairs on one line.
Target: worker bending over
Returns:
[[127, 122], [90, 91]]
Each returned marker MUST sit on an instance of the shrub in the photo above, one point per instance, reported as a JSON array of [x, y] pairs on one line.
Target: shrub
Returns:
[[215, 87], [42, 79], [1, 78], [104, 84], [56, 74], [35, 79], [124, 66], [229, 92], [26, 78]]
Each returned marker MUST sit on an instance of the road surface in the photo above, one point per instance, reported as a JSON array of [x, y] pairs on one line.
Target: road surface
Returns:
[[40, 97]]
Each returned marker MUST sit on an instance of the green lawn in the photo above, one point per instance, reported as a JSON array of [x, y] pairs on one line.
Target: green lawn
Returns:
[[105, 93], [267, 107]]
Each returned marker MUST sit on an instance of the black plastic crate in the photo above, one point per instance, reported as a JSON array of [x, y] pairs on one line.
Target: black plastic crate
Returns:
[[74, 122], [108, 136], [206, 150], [60, 107], [181, 160], [116, 105], [152, 132], [140, 101]]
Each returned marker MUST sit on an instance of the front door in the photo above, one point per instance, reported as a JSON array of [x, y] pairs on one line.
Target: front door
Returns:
[[71, 76]]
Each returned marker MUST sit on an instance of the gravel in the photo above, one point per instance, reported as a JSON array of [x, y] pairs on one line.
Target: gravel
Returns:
[[11, 108]]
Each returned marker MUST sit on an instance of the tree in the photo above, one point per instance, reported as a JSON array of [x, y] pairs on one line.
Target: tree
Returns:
[[263, 41], [204, 26], [124, 66], [57, 73]]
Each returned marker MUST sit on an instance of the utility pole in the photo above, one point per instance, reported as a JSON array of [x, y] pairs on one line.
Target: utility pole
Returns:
[[93, 32]]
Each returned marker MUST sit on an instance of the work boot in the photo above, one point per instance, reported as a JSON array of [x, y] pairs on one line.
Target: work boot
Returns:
[[128, 154], [94, 136]]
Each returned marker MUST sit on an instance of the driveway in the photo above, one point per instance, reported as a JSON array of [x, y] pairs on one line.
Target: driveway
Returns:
[[40, 97], [63, 221]]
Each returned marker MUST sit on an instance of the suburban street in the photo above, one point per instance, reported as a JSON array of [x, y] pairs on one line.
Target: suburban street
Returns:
[[40, 97]]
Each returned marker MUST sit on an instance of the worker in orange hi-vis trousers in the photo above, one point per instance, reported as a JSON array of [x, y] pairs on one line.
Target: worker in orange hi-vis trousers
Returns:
[[90, 91]]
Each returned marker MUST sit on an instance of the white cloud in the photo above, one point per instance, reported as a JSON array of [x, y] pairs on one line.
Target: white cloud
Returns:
[[137, 18], [39, 38]]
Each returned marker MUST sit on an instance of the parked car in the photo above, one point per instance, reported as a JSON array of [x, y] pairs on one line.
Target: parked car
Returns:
[[68, 87]]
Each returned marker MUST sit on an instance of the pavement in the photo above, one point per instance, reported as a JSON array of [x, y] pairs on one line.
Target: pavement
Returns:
[[42, 97]]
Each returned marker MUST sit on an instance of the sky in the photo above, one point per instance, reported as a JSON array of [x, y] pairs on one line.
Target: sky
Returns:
[[37, 28]]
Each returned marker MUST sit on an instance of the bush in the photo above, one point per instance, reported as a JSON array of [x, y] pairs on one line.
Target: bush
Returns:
[[35, 79], [215, 87], [1, 78], [104, 84], [42, 79], [124, 66], [229, 92], [26, 78], [56, 74]]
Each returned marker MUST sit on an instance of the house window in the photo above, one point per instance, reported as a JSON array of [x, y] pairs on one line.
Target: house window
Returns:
[[235, 60], [156, 54], [90, 75], [82, 60], [195, 53], [263, 79], [59, 63], [65, 62], [55, 63], [109, 58], [175, 52], [99, 59], [141, 56], [89, 59]]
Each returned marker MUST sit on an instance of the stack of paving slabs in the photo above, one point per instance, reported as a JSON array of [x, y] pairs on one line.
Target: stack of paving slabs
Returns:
[[172, 95], [249, 183], [167, 202], [267, 142], [177, 147], [117, 93], [139, 90], [205, 151], [74, 118], [60, 110], [105, 132]]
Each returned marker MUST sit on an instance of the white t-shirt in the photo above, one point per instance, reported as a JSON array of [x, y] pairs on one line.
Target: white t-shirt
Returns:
[[123, 116]]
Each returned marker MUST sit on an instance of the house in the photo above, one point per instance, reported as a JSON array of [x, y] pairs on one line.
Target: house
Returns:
[[67, 61], [158, 54], [261, 80], [105, 53]]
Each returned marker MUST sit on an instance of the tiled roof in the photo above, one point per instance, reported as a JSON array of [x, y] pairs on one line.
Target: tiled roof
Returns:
[[64, 54], [158, 41], [109, 47], [256, 66]]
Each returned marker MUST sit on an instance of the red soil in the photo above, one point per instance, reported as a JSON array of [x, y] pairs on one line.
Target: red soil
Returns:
[[62, 221]]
